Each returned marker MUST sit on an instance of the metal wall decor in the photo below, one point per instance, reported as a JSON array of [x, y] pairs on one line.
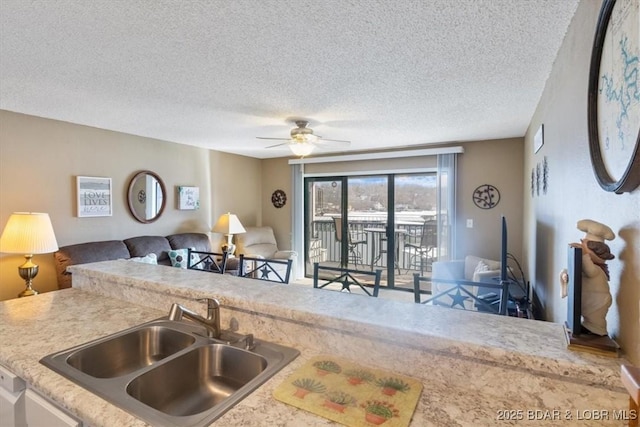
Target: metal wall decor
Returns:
[[486, 196], [545, 175], [279, 198], [613, 105], [540, 178]]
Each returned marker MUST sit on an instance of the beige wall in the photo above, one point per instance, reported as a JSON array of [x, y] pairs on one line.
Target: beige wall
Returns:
[[499, 163], [40, 158], [235, 189], [574, 194], [277, 176]]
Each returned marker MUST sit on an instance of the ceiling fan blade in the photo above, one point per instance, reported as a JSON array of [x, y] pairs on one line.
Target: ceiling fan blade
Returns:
[[277, 145], [333, 140], [278, 139]]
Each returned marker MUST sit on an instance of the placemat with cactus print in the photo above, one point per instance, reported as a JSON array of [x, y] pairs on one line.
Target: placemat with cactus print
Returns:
[[351, 394]]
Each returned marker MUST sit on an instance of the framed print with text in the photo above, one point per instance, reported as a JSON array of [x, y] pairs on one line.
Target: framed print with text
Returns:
[[94, 196]]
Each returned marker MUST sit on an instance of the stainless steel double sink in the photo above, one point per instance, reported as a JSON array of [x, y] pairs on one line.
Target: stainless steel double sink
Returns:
[[169, 373]]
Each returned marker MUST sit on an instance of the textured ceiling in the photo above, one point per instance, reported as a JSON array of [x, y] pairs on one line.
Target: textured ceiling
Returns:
[[218, 73]]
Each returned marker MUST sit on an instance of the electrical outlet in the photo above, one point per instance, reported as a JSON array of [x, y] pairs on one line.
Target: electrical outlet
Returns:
[[469, 223]]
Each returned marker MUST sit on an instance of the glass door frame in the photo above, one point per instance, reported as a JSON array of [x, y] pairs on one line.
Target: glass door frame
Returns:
[[344, 214]]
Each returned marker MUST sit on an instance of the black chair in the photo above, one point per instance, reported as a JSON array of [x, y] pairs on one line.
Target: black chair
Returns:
[[484, 297], [424, 250], [418, 290], [346, 277], [212, 262], [352, 242], [270, 270]]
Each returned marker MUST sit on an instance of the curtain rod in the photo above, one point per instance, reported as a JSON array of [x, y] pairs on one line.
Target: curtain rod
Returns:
[[381, 155]]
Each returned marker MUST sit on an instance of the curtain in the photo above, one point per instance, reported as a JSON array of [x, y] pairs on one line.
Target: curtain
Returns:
[[297, 219], [446, 217]]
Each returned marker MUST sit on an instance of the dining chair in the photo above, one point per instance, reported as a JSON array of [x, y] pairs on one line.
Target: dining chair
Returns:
[[212, 262], [270, 270], [347, 277], [425, 249], [421, 286], [352, 243]]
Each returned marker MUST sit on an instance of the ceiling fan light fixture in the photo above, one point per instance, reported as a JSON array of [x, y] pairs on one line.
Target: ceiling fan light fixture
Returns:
[[304, 138], [301, 148]]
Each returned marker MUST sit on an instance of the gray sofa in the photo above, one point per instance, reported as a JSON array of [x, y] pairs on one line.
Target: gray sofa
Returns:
[[141, 246]]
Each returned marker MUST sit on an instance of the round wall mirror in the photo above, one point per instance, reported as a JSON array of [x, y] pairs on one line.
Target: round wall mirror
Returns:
[[146, 196]]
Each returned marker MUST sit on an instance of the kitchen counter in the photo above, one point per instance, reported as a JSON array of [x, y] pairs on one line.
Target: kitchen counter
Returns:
[[475, 367]]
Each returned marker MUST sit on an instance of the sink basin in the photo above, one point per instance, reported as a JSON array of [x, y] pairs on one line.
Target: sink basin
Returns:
[[169, 373], [129, 352], [197, 380]]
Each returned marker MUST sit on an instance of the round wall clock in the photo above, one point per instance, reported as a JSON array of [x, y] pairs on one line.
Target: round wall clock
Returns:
[[486, 196], [279, 198], [613, 105]]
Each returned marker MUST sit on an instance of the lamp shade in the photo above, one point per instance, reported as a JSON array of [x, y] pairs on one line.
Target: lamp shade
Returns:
[[28, 233], [228, 224]]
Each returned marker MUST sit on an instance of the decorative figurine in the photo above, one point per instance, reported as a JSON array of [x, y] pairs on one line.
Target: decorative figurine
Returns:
[[596, 297]]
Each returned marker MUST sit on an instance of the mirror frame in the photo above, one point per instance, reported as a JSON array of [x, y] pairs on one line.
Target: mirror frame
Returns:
[[131, 197]]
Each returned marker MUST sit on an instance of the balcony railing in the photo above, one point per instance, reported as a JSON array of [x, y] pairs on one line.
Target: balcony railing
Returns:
[[324, 246]]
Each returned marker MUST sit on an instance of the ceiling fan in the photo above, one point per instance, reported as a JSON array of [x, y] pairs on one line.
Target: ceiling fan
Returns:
[[303, 141]]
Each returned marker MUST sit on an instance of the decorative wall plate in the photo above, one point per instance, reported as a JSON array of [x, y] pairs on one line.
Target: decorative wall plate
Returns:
[[279, 198], [613, 104], [486, 196]]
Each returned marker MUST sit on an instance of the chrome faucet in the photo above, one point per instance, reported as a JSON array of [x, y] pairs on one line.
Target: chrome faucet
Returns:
[[211, 323]]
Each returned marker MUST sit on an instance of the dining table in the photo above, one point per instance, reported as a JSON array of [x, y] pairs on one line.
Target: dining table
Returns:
[[378, 236]]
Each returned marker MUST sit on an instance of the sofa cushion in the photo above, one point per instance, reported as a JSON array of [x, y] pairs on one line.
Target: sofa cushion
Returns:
[[196, 241], [144, 245], [84, 253], [257, 241]]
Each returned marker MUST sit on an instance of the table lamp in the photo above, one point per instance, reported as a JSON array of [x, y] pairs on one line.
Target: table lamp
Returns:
[[28, 233], [228, 224]]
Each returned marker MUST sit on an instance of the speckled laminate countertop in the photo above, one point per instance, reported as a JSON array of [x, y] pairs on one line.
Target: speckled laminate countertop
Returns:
[[473, 366]]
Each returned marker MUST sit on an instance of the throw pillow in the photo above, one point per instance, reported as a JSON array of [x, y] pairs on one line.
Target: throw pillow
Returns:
[[480, 268], [178, 257], [147, 259]]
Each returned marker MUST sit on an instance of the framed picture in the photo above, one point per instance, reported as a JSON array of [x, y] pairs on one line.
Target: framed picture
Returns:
[[94, 196], [612, 106], [188, 198], [538, 139]]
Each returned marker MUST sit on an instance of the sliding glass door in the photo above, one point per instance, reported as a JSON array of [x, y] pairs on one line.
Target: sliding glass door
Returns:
[[372, 222]]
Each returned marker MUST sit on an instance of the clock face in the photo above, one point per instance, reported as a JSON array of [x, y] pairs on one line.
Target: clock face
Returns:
[[279, 198]]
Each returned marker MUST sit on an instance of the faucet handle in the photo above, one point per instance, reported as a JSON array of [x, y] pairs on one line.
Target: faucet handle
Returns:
[[211, 302]]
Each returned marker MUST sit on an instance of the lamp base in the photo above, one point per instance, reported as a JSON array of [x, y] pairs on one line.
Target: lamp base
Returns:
[[229, 249], [28, 271], [29, 292]]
